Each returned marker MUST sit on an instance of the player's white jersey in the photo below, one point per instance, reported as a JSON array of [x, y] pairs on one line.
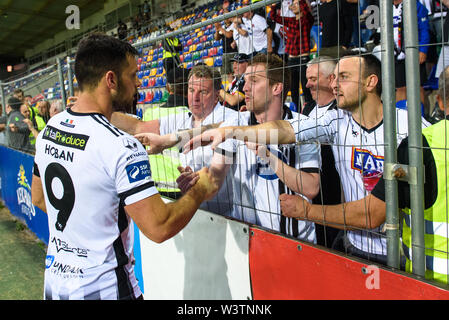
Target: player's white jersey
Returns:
[[257, 187], [359, 159], [90, 170], [202, 156]]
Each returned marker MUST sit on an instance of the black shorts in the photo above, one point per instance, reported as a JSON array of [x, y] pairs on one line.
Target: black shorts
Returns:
[[400, 73]]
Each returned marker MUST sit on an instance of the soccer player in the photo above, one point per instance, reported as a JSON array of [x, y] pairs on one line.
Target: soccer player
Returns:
[[92, 179], [355, 131]]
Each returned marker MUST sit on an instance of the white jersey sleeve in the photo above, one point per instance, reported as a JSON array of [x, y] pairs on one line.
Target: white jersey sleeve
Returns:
[[322, 129]]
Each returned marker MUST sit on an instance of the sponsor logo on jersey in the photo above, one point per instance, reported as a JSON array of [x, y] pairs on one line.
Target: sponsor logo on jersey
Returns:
[[138, 171], [68, 123], [61, 269], [137, 155], [263, 168], [66, 139], [24, 194], [364, 161], [130, 144], [49, 261], [64, 246]]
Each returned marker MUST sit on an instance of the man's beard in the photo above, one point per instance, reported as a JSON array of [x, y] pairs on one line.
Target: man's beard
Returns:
[[352, 105], [120, 104]]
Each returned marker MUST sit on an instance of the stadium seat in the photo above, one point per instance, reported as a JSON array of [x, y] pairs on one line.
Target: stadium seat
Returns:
[[209, 61], [218, 61]]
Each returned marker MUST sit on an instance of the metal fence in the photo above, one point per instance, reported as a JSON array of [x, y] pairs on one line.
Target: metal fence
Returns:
[[152, 95]]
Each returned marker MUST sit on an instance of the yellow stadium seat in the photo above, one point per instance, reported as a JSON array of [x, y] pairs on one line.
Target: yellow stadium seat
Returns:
[[209, 61]]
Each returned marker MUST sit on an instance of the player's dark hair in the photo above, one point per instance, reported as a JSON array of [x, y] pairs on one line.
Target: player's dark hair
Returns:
[[97, 54]]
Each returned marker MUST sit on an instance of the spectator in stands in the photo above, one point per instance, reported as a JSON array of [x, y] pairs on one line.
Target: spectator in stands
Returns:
[[227, 75], [399, 48], [356, 80], [336, 35], [241, 36], [226, 5], [260, 34], [43, 115], [204, 84], [122, 30], [56, 107], [18, 93], [297, 45], [224, 32], [172, 47], [279, 38], [319, 79], [18, 131], [370, 211], [28, 99], [234, 96], [25, 111]]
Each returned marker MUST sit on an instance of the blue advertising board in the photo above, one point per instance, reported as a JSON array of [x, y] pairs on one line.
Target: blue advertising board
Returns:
[[16, 171]]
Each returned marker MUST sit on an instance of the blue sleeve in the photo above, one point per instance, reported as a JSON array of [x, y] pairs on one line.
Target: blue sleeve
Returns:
[[423, 27]]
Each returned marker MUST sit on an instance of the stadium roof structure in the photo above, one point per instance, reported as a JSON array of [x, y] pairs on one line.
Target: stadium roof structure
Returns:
[[26, 23]]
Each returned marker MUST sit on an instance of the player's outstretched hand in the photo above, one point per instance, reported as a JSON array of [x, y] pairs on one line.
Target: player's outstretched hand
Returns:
[[207, 183], [187, 179], [213, 137], [294, 206], [155, 142]]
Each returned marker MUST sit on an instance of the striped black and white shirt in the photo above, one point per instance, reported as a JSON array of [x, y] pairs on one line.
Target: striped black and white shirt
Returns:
[[257, 187], [359, 159]]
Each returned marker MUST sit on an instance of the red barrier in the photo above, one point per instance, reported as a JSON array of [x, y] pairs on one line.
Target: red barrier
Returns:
[[283, 268]]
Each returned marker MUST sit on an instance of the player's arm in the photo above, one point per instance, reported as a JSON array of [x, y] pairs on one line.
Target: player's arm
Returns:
[[157, 143], [37, 193], [133, 125], [366, 213], [271, 132], [299, 181], [160, 221]]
